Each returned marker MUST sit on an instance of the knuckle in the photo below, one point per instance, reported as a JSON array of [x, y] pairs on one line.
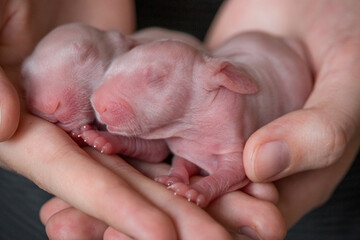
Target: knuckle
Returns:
[[337, 140], [332, 136]]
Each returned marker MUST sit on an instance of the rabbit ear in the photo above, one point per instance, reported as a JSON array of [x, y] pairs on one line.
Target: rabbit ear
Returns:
[[84, 52], [225, 74]]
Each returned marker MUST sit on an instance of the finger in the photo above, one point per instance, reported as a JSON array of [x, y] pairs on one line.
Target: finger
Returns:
[[188, 214], [77, 225], [299, 141], [52, 207], [189, 219], [150, 169], [71, 223], [65, 222], [237, 236], [296, 142], [112, 234], [241, 201], [262, 191], [9, 108], [245, 215], [45, 154]]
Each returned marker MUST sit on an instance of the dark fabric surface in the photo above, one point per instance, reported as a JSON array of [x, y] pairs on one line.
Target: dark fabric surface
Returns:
[[20, 201], [338, 219], [190, 16]]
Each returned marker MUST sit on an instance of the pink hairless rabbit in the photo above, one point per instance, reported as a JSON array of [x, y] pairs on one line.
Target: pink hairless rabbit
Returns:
[[203, 105], [61, 74]]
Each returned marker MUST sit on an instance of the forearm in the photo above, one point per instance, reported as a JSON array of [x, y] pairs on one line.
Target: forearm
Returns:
[[285, 18], [275, 17]]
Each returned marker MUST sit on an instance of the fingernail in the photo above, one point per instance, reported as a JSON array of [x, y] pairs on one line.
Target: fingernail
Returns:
[[250, 232], [271, 159]]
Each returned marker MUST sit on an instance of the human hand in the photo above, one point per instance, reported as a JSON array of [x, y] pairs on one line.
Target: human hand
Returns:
[[188, 219], [319, 134], [237, 211], [59, 166], [15, 21], [59, 163], [298, 194], [325, 133], [45, 154], [9, 108]]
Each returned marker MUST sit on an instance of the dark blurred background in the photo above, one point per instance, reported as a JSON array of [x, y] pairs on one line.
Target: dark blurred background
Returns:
[[191, 16]]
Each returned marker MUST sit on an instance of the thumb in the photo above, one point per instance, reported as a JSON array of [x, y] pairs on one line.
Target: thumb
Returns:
[[9, 108], [317, 135], [298, 141]]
